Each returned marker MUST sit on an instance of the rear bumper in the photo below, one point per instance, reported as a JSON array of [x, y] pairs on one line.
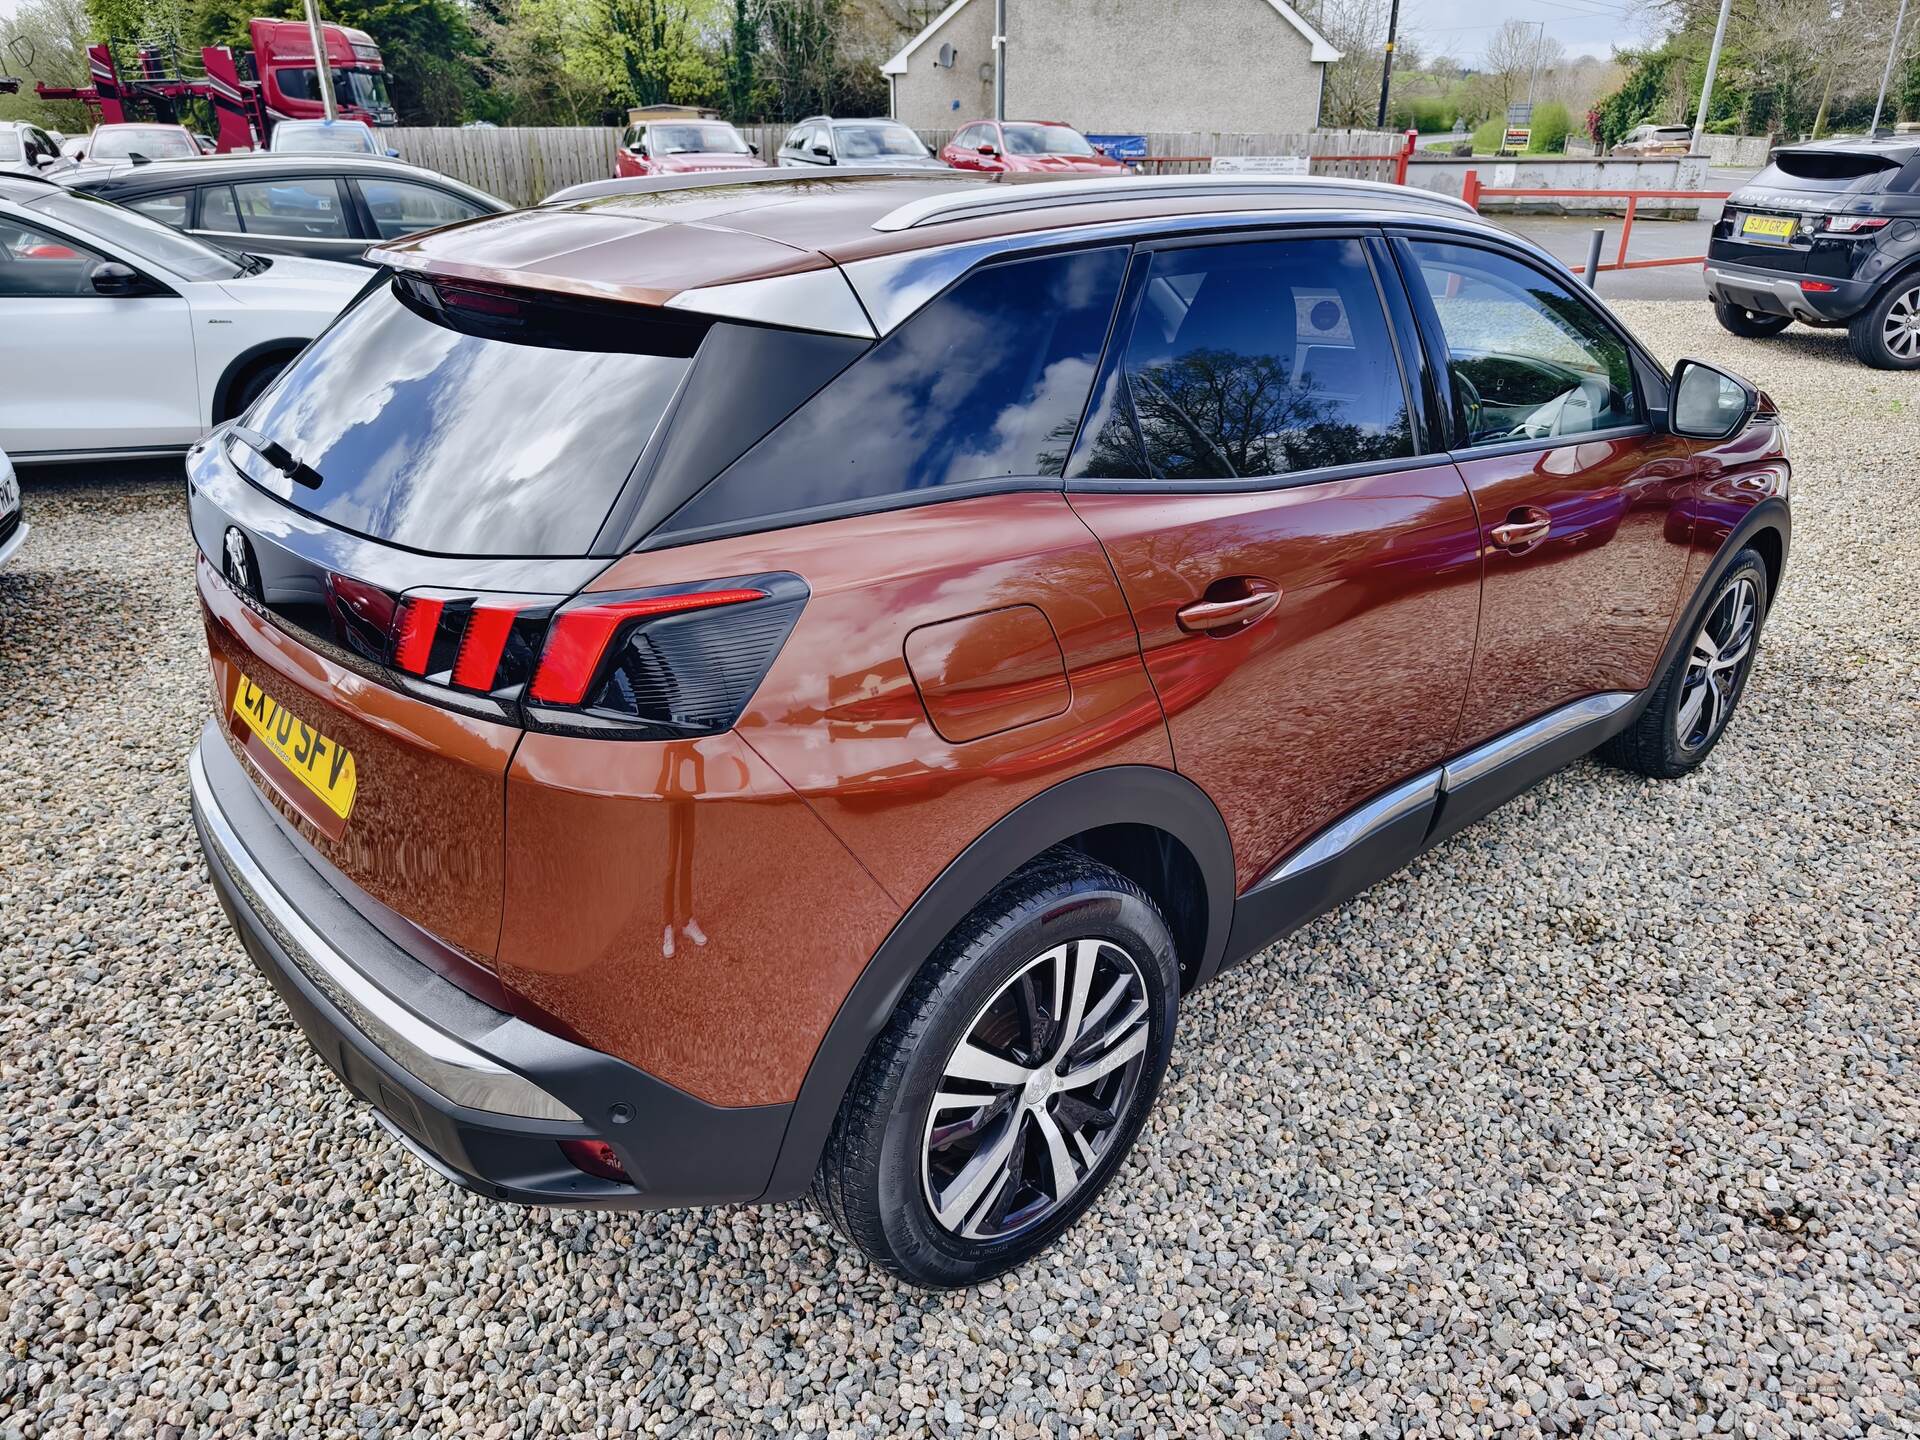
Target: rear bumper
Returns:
[[1771, 294], [481, 1096]]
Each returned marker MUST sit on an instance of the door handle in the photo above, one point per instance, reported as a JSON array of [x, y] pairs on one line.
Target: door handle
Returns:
[[1228, 605], [1525, 528]]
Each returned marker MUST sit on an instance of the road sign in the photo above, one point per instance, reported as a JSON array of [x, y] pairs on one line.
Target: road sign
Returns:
[[1520, 113], [1518, 137]]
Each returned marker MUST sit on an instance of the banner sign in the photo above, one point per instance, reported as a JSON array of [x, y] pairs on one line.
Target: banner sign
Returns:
[[1260, 165]]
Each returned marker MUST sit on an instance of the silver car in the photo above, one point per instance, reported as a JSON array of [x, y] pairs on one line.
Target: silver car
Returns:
[[28, 150], [869, 144]]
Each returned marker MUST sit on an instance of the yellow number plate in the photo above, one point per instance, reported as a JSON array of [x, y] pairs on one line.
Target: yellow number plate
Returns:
[[324, 766], [1779, 227]]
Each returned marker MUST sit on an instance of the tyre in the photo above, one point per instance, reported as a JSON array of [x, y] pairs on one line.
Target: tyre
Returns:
[[1012, 1080], [1886, 335], [1753, 324], [1689, 709], [252, 385]]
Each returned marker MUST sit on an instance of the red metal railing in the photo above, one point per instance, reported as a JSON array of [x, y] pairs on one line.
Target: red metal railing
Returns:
[[1472, 190], [1396, 158]]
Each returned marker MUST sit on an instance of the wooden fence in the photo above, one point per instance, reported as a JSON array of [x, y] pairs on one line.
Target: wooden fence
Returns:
[[522, 165], [525, 165]]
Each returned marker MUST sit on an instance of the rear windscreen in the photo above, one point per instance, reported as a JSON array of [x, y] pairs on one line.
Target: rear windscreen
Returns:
[[1834, 170], [469, 423]]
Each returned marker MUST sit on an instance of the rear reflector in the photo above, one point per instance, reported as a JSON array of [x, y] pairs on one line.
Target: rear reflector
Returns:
[[413, 636], [596, 1157], [577, 640], [1817, 287]]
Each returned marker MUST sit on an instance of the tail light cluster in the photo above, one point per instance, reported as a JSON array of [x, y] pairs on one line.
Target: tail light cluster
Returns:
[[641, 664]]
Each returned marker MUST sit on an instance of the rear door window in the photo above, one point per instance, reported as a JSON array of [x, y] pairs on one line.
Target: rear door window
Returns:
[[431, 428], [293, 209], [985, 384], [402, 207], [1247, 361]]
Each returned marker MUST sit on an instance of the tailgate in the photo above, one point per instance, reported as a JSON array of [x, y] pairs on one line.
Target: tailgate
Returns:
[[402, 796]]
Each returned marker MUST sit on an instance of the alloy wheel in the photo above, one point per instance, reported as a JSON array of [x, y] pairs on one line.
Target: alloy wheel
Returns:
[[1901, 330], [1716, 665], [1033, 1096]]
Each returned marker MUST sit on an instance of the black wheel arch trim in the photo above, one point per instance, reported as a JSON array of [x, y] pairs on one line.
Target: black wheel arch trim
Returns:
[[1117, 795], [1769, 514], [241, 364]]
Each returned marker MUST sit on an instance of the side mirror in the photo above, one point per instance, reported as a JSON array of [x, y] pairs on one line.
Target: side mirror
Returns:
[[1708, 403], [393, 154], [988, 150], [753, 147], [110, 277], [824, 150], [44, 161]]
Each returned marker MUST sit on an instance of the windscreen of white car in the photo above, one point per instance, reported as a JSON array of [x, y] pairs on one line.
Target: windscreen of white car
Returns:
[[468, 422], [695, 140], [139, 239], [869, 142], [115, 142], [1045, 140], [343, 137]]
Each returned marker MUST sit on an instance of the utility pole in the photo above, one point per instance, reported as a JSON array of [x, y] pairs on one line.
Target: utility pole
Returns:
[[1886, 75], [322, 67], [1713, 68], [1539, 44], [1000, 60], [1386, 66]]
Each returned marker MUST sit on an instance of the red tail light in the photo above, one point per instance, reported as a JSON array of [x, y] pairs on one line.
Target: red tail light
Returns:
[[577, 639], [1818, 287], [484, 643], [414, 634]]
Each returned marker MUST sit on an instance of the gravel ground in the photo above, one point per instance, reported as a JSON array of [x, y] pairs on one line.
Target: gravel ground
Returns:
[[1603, 1119]]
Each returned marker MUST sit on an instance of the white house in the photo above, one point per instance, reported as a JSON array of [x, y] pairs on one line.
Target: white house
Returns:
[[1118, 66]]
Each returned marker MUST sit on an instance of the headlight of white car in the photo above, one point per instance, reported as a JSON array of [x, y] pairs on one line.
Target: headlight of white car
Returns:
[[9, 488]]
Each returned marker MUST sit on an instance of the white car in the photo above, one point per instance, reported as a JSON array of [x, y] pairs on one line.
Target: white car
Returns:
[[13, 525], [120, 337], [326, 137]]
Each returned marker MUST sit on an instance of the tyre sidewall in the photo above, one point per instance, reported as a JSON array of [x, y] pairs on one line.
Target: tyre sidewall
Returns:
[[1086, 909], [1867, 332], [1747, 565]]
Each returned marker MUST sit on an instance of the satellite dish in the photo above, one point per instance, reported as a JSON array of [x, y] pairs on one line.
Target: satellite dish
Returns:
[[945, 58]]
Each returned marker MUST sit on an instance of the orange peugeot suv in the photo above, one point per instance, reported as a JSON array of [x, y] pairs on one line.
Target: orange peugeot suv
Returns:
[[728, 687]]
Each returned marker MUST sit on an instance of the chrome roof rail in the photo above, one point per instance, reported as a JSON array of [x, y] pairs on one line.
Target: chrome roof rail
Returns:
[[753, 175], [1009, 197]]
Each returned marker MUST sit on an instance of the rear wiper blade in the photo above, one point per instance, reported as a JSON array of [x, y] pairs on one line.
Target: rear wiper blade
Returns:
[[278, 456]]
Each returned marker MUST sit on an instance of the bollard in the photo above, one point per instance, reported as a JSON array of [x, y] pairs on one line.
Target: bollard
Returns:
[[1593, 256]]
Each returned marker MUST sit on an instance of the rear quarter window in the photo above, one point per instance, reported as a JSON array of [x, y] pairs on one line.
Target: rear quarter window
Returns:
[[986, 383]]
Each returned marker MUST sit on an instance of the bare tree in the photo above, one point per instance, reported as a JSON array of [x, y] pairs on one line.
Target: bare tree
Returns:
[[1517, 50]]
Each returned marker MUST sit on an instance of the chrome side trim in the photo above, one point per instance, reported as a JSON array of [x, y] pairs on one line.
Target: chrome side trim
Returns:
[[821, 300], [1503, 749], [934, 209], [14, 541], [463, 1075], [1356, 825]]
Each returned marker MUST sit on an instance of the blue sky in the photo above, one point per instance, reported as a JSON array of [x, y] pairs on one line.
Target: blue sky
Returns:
[[1462, 28]]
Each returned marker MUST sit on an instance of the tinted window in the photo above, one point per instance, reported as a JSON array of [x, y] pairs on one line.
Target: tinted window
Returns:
[[1250, 360], [168, 209], [400, 207], [217, 211], [1046, 140], [296, 209], [695, 140], [1528, 357], [443, 440], [36, 263], [868, 141], [987, 381]]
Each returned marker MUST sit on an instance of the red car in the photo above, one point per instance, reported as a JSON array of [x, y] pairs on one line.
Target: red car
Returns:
[[1045, 147], [680, 147]]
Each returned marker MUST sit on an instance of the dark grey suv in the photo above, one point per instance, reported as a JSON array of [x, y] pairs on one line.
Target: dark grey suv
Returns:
[[1827, 234]]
